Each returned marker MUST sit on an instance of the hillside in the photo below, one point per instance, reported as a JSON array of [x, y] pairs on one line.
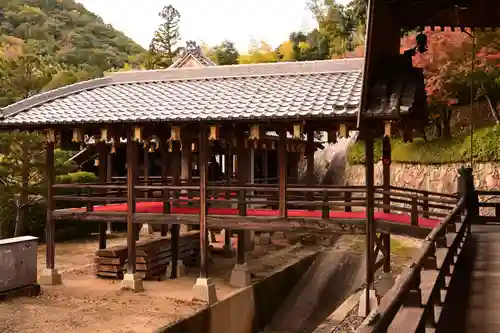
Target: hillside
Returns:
[[57, 42]]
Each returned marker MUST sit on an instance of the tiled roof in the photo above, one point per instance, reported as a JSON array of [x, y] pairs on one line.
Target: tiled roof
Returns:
[[204, 61], [261, 91]]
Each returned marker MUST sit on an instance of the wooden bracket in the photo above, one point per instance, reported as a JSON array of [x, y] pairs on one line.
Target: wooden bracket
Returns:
[[343, 131], [254, 132], [77, 135], [387, 129], [50, 136], [175, 133], [213, 132], [104, 135], [137, 134], [297, 131]]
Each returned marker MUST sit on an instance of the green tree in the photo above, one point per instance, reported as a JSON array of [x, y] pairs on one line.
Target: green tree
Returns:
[[225, 53], [22, 164], [167, 36]]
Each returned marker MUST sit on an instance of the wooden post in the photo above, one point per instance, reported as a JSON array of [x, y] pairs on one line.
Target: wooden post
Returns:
[[50, 223], [164, 174], [146, 167], [131, 201], [49, 275], [242, 175], [186, 165], [109, 176], [425, 205], [176, 228], [414, 210], [369, 226], [265, 166], [203, 165], [282, 162], [103, 177], [310, 163], [228, 175], [386, 199]]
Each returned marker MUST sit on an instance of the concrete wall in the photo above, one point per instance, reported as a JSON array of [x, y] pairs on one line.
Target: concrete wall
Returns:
[[247, 311]]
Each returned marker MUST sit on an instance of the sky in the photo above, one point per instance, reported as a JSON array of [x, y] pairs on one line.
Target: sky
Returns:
[[209, 21]]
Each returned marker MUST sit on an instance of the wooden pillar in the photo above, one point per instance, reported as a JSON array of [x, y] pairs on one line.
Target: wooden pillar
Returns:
[[103, 151], [145, 158], [369, 225], [109, 176], [49, 275], [203, 166], [175, 228], [50, 223], [310, 181], [265, 166], [282, 162], [164, 176], [386, 171], [228, 175], [131, 201], [242, 175]]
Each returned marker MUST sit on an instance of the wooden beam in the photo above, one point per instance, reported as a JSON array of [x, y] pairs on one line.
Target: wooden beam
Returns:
[[307, 225], [103, 151], [203, 166], [50, 224], [282, 163], [370, 211], [131, 200]]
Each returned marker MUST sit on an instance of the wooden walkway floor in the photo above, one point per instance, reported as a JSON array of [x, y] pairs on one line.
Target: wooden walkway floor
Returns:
[[473, 305]]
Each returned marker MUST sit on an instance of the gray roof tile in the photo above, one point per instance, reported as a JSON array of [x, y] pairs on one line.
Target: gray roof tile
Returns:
[[262, 91]]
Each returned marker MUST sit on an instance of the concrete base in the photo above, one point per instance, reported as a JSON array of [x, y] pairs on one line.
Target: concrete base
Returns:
[[109, 230], [204, 290], [132, 282], [50, 277], [362, 303], [180, 271], [184, 228], [240, 276], [146, 230], [265, 239]]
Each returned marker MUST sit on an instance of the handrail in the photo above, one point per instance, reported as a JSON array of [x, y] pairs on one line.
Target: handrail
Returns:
[[381, 318]]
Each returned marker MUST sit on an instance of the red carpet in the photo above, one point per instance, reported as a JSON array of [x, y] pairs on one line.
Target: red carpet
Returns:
[[157, 207]]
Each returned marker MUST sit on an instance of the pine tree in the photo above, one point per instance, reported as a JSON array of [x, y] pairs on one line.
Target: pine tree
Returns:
[[167, 36]]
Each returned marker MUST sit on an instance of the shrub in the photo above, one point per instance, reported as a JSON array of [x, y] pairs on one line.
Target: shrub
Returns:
[[441, 151]]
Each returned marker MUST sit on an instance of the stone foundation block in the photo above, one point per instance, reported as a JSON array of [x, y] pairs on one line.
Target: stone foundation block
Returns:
[[240, 276], [204, 290], [362, 303], [132, 282], [50, 277]]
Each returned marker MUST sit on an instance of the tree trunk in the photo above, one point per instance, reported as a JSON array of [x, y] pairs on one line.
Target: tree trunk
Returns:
[[22, 200], [491, 105], [445, 123]]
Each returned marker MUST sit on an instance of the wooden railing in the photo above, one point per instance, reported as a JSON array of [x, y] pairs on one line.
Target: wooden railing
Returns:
[[410, 305], [324, 198]]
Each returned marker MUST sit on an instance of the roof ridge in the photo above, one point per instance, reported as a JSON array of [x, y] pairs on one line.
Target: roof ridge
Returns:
[[188, 74]]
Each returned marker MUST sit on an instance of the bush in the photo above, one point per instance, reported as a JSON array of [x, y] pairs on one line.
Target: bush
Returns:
[[441, 151]]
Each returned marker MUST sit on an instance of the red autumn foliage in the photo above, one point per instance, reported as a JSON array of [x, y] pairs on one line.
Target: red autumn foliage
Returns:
[[447, 51]]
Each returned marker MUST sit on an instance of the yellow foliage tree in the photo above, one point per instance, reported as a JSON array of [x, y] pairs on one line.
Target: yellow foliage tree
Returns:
[[259, 52]]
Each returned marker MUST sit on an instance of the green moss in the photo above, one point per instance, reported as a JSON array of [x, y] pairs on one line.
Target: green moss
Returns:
[[441, 151]]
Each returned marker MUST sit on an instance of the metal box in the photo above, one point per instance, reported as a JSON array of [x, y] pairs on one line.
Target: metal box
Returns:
[[18, 264]]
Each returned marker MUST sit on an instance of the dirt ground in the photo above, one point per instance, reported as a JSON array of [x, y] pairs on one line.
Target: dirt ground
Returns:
[[87, 304]]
